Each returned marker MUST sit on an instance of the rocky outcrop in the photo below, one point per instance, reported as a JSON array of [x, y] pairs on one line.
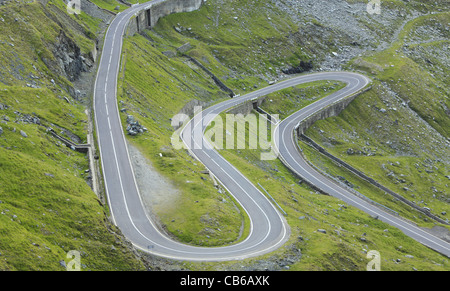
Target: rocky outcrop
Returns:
[[302, 67], [68, 56]]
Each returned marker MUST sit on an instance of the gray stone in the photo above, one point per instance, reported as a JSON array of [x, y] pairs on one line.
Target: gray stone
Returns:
[[130, 118], [22, 133], [133, 127]]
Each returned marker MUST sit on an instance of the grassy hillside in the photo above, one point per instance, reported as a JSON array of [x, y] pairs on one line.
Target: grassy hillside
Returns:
[[46, 205], [244, 56], [397, 132], [154, 89]]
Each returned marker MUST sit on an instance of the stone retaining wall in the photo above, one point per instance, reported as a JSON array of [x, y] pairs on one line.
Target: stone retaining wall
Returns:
[[148, 18]]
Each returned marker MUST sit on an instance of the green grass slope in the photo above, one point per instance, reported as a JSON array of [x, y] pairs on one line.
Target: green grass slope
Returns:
[[326, 234], [46, 205], [397, 133]]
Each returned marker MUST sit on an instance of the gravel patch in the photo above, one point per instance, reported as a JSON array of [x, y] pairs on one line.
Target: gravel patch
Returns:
[[157, 192]]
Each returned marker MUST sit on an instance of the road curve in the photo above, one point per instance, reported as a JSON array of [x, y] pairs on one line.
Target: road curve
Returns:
[[269, 229], [289, 153]]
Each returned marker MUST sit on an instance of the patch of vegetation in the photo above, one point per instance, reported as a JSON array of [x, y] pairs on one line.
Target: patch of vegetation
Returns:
[[111, 5], [154, 89], [328, 234], [244, 45], [289, 100]]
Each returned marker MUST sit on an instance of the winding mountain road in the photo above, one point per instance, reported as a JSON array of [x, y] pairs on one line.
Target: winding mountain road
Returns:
[[269, 229]]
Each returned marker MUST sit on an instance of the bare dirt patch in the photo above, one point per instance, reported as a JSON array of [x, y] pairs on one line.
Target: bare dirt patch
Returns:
[[157, 192]]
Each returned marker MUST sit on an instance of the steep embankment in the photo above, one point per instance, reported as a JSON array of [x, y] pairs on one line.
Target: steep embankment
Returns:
[[46, 205]]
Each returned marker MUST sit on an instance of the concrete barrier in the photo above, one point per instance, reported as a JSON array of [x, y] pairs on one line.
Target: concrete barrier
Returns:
[[328, 111], [372, 181], [82, 148], [147, 18], [218, 82]]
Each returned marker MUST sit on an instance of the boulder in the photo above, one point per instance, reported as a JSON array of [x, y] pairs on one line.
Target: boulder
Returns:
[[133, 127]]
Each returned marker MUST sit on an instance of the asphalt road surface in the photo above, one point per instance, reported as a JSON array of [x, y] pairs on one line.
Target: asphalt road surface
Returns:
[[269, 229]]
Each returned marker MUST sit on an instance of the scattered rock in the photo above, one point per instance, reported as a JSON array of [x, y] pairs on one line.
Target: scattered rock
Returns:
[[27, 118], [134, 128], [345, 181], [22, 133]]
